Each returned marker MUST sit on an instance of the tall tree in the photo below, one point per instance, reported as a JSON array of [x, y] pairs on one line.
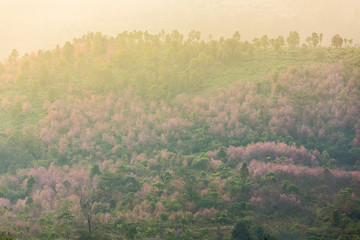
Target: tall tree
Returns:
[[264, 40], [65, 219], [244, 172], [241, 231], [313, 40], [337, 41], [13, 56], [321, 38], [293, 39], [277, 43], [87, 201]]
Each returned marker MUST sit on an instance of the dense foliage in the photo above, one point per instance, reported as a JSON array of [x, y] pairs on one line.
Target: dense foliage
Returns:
[[162, 137]]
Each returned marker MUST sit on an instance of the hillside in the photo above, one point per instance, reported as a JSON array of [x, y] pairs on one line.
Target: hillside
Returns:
[[144, 136]]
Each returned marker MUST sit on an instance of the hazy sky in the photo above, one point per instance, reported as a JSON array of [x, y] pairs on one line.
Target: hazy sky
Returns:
[[29, 25]]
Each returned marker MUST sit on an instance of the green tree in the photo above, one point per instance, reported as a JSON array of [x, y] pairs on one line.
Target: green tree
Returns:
[[29, 185], [131, 232], [95, 170], [13, 56], [264, 41], [221, 154], [164, 216], [44, 75], [68, 51], [277, 43], [29, 201], [65, 220], [335, 218], [194, 36], [293, 189], [87, 199], [300, 99], [293, 39], [12, 170], [99, 46], [5, 236], [200, 163], [337, 41], [244, 172], [256, 42], [236, 36], [313, 40], [47, 224], [320, 38], [241, 231], [191, 183]]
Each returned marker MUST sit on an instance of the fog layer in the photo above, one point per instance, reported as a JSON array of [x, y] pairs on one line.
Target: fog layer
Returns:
[[40, 24]]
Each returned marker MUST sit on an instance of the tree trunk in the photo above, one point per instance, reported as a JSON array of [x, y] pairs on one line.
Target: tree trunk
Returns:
[[89, 225]]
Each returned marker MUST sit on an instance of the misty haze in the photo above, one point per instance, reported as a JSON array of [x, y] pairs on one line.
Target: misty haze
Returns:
[[180, 119]]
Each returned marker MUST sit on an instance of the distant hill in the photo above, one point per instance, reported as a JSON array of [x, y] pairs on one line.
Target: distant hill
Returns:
[[167, 137]]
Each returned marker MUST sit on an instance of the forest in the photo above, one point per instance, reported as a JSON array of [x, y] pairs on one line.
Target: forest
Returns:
[[173, 136]]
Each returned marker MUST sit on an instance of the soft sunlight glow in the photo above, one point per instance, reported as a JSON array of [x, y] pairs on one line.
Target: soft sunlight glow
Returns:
[[41, 24]]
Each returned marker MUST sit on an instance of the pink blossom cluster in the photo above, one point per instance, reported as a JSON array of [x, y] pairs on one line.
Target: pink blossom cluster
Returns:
[[257, 169], [290, 199], [270, 151]]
